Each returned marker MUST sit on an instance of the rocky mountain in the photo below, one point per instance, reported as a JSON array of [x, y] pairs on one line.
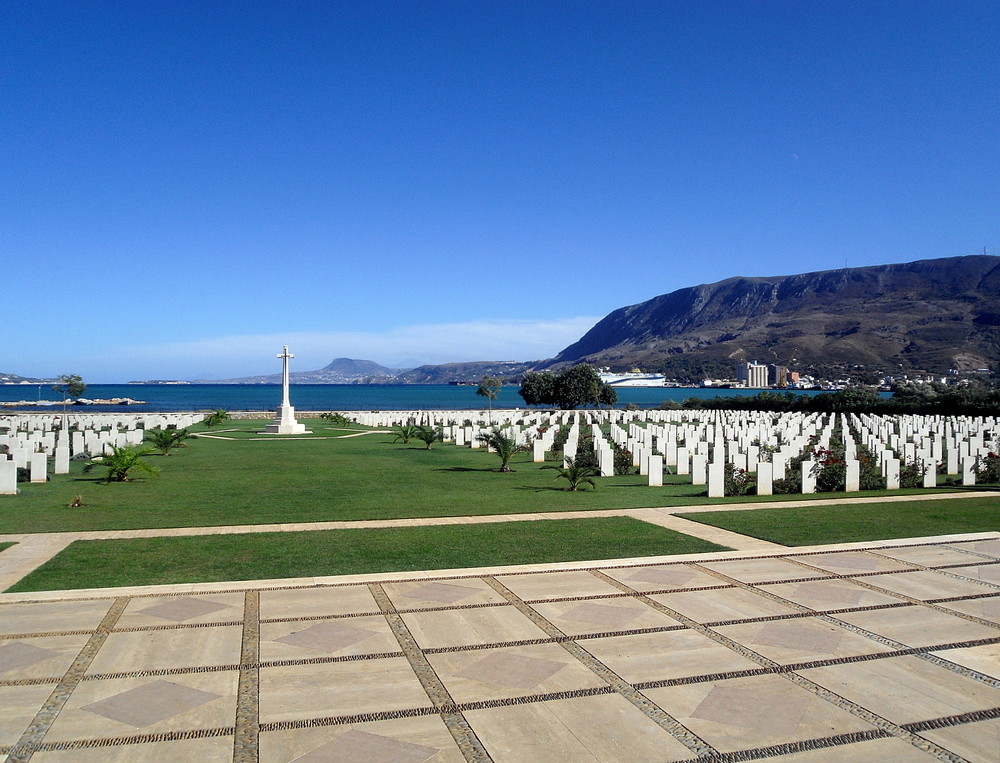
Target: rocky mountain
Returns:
[[930, 314], [338, 371], [467, 373]]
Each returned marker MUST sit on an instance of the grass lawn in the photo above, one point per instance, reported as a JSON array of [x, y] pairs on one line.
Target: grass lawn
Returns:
[[149, 561], [861, 522], [5, 545], [241, 480]]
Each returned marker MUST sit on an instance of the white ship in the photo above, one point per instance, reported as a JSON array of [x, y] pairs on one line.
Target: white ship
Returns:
[[633, 379]]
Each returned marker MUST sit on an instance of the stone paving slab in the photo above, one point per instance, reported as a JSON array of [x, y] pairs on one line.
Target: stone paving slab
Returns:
[[865, 651]]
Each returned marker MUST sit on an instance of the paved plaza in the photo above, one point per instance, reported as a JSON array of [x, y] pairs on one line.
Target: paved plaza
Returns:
[[874, 651]]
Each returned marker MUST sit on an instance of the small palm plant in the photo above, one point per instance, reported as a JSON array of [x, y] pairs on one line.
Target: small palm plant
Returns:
[[215, 417], [577, 474], [505, 443], [429, 435], [121, 462], [405, 432], [165, 440]]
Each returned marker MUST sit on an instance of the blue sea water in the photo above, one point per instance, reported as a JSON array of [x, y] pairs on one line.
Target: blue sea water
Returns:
[[321, 397]]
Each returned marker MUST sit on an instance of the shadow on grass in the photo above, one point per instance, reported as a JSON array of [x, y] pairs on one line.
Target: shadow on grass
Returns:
[[468, 469]]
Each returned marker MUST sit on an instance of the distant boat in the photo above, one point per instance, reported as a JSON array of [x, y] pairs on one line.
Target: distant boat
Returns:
[[633, 380]]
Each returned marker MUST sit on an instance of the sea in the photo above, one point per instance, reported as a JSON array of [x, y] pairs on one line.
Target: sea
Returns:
[[317, 397]]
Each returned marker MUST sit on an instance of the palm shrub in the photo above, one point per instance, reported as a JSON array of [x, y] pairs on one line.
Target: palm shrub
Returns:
[[505, 443], [216, 417], [165, 440], [405, 432], [575, 473], [121, 462], [337, 419], [429, 435]]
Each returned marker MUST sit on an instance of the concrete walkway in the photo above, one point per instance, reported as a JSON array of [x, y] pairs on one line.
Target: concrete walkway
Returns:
[[35, 549], [885, 651]]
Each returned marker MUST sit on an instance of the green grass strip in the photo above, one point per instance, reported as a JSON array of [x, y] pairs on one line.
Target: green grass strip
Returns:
[[256, 556], [6, 545], [859, 522]]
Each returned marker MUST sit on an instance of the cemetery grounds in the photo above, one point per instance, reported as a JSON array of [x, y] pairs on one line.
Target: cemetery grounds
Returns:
[[264, 495]]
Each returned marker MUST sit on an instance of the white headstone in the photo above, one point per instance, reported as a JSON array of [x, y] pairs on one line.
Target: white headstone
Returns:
[[654, 469], [39, 467], [8, 476], [62, 460]]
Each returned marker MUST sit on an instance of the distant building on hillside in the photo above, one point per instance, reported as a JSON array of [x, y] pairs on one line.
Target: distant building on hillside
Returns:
[[777, 376], [752, 374]]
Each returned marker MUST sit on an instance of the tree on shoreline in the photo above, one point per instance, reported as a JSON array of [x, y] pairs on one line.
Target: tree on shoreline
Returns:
[[569, 389], [489, 388]]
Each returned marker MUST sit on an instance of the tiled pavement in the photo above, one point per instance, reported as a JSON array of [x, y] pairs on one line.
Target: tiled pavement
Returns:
[[877, 651]]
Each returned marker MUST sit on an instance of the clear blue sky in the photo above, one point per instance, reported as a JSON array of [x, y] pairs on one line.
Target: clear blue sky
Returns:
[[186, 186]]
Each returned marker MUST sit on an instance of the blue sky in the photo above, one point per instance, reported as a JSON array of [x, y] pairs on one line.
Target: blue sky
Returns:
[[186, 186]]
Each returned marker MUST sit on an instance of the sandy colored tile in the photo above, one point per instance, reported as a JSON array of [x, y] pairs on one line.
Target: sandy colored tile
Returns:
[[51, 616], [186, 610], [511, 672], [889, 750], [918, 625], [420, 736], [928, 584], [555, 585], [851, 562], [800, 640], [319, 638], [20, 705], [723, 604], [985, 659], [321, 601], [212, 750], [662, 577], [991, 547], [928, 556], [762, 570], [830, 594], [341, 688], [973, 741], [985, 573], [440, 593], [661, 656], [44, 657], [464, 627], [905, 689], [987, 609], [218, 710], [174, 648], [150, 703], [605, 728], [602, 615], [753, 712]]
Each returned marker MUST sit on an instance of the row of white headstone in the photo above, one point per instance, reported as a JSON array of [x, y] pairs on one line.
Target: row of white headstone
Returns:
[[700, 443], [38, 441]]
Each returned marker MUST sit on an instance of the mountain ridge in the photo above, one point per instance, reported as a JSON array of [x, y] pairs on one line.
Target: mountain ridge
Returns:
[[940, 313]]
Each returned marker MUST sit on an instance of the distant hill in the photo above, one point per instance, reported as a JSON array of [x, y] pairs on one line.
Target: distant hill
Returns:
[[15, 379], [337, 371], [468, 373], [930, 314]]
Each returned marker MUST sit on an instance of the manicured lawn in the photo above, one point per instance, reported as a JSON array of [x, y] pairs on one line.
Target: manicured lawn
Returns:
[[5, 545], [860, 522], [244, 481], [149, 561]]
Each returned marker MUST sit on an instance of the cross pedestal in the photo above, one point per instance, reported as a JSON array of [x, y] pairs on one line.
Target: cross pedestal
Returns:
[[284, 422]]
